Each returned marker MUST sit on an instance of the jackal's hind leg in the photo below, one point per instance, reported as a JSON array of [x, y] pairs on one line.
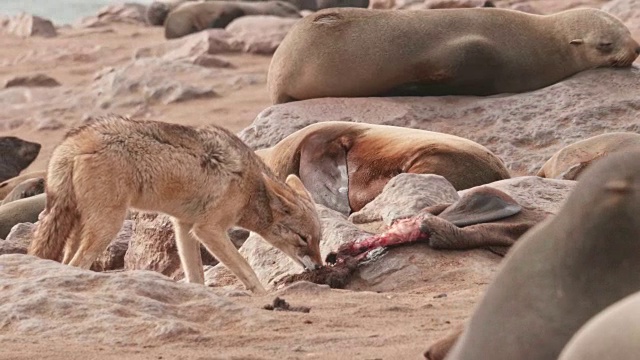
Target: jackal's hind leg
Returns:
[[219, 245], [189, 252], [72, 244], [99, 228]]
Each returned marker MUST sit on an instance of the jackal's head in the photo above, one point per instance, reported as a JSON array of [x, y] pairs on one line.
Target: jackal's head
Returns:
[[296, 228]]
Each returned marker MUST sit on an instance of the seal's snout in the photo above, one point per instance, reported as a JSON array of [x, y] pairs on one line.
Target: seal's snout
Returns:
[[638, 50]]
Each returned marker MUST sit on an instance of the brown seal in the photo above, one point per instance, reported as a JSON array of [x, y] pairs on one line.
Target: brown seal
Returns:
[[563, 271], [570, 161], [16, 155], [25, 189], [158, 11], [20, 211], [614, 333], [484, 217], [440, 349], [345, 165], [194, 16], [362, 52], [7, 186]]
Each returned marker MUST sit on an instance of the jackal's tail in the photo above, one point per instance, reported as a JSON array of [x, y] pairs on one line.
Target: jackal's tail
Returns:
[[61, 211]]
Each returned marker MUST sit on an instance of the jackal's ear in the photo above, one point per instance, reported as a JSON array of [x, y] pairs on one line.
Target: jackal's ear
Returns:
[[296, 184], [264, 154], [278, 193]]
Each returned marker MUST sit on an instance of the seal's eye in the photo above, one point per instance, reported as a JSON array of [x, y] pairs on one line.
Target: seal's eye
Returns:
[[605, 46]]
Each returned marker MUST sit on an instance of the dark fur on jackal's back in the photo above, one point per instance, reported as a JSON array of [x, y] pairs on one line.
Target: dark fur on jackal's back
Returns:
[[16, 155]]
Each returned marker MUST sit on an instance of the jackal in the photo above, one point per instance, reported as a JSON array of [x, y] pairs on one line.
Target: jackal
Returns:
[[206, 179]]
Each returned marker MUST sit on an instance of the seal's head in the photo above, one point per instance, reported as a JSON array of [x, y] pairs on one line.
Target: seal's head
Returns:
[[602, 39], [157, 12]]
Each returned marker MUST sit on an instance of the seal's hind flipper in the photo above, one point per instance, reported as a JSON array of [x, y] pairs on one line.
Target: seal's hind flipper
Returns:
[[482, 204]]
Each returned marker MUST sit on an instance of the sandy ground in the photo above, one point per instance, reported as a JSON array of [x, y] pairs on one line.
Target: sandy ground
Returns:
[[341, 325], [234, 110]]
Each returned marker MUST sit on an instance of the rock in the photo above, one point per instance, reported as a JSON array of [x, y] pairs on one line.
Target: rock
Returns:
[[628, 11], [18, 240], [209, 61], [271, 264], [382, 4], [213, 41], [534, 191], [528, 8], [404, 196], [522, 129], [153, 246], [260, 34], [48, 124], [131, 13], [417, 265], [149, 81], [453, 4], [113, 257], [44, 300], [27, 25], [35, 80]]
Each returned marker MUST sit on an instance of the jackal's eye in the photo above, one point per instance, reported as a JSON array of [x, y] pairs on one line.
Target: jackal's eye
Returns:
[[303, 239]]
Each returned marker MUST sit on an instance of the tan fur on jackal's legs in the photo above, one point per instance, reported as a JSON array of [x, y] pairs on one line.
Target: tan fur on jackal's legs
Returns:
[[72, 244], [99, 228], [189, 252], [218, 243], [103, 211]]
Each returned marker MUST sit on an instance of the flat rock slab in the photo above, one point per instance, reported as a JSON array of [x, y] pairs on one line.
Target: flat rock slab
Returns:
[[44, 299]]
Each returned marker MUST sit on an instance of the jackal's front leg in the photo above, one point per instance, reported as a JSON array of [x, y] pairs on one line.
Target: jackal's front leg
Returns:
[[189, 252], [218, 243]]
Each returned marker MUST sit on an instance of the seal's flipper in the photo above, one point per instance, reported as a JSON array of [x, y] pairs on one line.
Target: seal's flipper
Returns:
[[323, 171], [483, 204]]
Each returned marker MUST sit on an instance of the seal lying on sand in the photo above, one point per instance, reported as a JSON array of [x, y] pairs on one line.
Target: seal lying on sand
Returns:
[[25, 189], [564, 271], [483, 217], [20, 211], [570, 161], [440, 349], [194, 16], [345, 165], [480, 51], [15, 155], [614, 333], [7, 186], [158, 11]]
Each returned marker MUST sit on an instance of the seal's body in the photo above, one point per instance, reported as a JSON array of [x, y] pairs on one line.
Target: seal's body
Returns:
[[563, 271], [612, 334], [570, 161], [194, 16], [352, 52], [345, 165]]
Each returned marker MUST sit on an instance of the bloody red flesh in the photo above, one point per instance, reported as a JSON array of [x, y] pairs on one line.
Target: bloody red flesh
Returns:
[[403, 231]]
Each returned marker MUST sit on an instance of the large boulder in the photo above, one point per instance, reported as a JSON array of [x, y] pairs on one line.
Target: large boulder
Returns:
[[27, 25], [153, 246], [260, 34], [44, 300]]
